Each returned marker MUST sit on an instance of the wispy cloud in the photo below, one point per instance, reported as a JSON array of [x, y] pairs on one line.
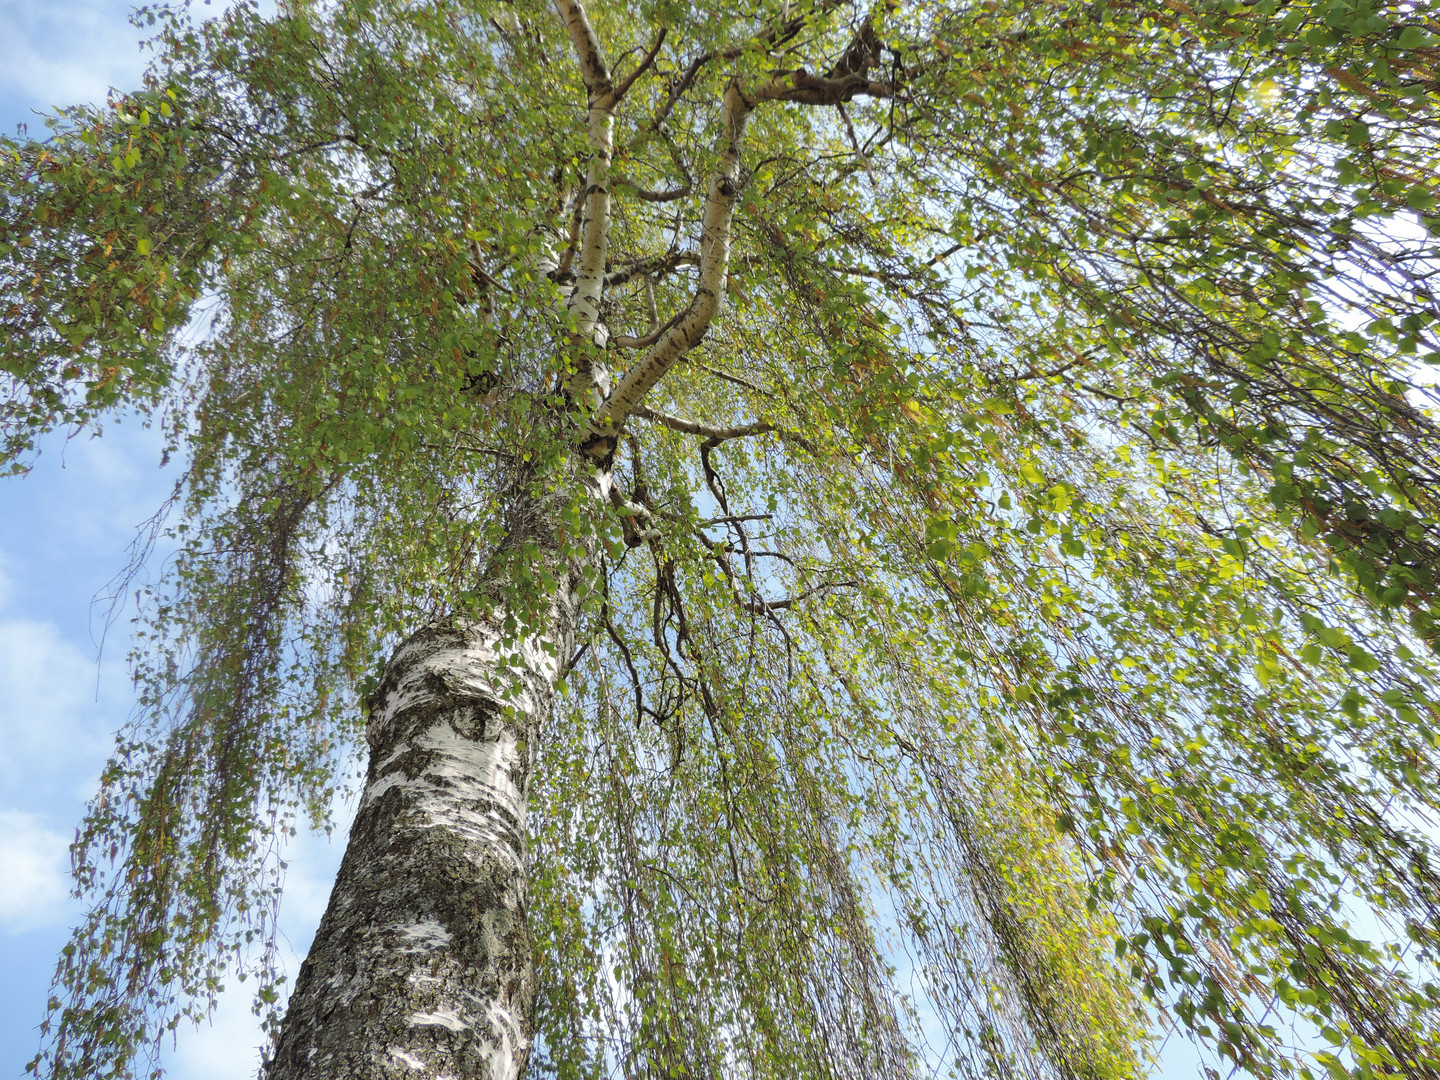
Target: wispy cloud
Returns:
[[48, 711], [67, 51], [34, 873]]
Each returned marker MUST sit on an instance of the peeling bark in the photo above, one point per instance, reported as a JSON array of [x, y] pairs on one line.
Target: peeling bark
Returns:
[[422, 965], [589, 385]]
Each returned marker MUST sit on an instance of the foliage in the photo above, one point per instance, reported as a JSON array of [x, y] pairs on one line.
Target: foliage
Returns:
[[107, 230], [1051, 665]]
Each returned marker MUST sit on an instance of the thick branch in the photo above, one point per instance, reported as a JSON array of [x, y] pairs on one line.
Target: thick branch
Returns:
[[632, 514], [653, 264], [714, 435], [769, 39], [587, 51], [802, 87], [584, 302], [609, 418], [806, 89], [646, 340], [653, 196], [682, 84]]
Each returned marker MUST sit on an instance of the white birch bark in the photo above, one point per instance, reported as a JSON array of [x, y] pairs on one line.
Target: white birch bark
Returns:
[[422, 965], [588, 385], [608, 419]]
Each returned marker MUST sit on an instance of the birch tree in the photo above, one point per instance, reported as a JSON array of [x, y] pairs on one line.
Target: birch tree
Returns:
[[847, 539]]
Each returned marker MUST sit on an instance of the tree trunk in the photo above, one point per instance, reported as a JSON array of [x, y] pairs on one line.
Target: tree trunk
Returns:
[[422, 965]]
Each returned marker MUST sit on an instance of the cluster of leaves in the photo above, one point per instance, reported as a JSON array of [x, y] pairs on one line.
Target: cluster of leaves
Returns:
[[107, 230], [1231, 209]]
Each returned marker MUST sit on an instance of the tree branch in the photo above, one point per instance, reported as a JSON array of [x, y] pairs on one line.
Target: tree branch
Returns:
[[607, 420], [713, 435], [652, 264], [587, 51], [609, 417], [807, 89], [584, 301], [735, 380], [646, 340], [732, 518], [653, 196], [562, 268], [776, 35], [764, 607], [644, 66]]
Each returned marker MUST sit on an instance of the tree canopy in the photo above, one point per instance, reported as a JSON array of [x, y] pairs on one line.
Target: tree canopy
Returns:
[[1010, 632]]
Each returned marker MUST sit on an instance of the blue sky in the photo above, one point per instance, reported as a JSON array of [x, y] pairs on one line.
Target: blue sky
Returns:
[[64, 533]]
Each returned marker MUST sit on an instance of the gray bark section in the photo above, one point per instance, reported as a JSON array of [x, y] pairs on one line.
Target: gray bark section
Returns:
[[422, 965]]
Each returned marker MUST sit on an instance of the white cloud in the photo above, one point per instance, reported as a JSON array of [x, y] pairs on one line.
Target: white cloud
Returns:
[[225, 1048], [55, 53], [34, 873], [48, 711], [67, 51]]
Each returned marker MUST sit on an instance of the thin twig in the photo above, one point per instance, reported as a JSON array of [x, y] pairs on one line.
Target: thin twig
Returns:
[[728, 519], [763, 607], [732, 379], [643, 66]]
